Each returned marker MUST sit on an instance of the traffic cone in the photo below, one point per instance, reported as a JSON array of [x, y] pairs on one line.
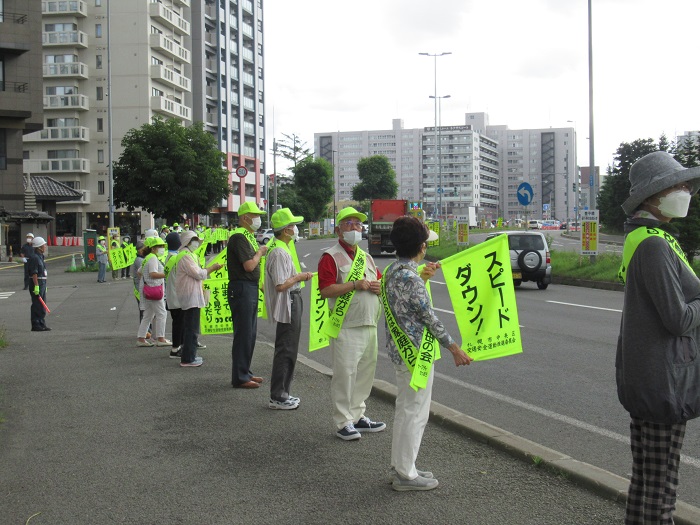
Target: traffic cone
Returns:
[[72, 263], [10, 259]]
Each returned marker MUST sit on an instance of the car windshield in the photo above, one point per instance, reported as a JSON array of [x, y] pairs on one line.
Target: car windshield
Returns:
[[525, 242]]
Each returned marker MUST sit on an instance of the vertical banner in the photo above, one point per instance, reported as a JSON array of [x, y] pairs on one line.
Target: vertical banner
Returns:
[[435, 226], [589, 232], [90, 246], [318, 317], [462, 233], [480, 284], [314, 229]]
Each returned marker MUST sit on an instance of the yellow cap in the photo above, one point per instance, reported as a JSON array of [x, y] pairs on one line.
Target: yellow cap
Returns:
[[284, 217], [349, 212], [250, 207]]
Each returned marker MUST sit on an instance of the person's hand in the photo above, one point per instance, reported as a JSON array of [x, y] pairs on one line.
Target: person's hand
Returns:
[[36, 290], [375, 287], [362, 284], [429, 270], [262, 250], [460, 356]]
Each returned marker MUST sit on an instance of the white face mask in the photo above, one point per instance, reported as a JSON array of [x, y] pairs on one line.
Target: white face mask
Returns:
[[194, 245], [255, 223], [675, 204], [160, 251], [29, 240], [296, 233], [353, 237]]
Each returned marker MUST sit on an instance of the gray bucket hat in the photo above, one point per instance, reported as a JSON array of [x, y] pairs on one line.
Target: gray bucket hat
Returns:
[[656, 172]]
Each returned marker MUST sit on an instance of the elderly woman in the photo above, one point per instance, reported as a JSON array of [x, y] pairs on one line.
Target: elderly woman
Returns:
[[188, 288], [152, 275], [408, 309]]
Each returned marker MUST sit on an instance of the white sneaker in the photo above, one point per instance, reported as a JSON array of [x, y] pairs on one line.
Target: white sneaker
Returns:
[[287, 404], [420, 483]]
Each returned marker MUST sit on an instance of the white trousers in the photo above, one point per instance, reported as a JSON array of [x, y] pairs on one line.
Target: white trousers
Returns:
[[153, 310], [354, 362], [410, 417]]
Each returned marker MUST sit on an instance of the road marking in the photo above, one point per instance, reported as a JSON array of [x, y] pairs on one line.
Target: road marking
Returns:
[[586, 306], [688, 460], [6, 295]]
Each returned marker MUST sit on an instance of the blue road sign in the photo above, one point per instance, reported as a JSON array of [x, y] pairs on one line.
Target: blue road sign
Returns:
[[440, 190], [545, 207], [525, 194]]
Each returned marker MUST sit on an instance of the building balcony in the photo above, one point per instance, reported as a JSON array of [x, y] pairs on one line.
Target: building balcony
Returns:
[[249, 103], [249, 128], [248, 79], [68, 70], [165, 45], [248, 54], [40, 166], [212, 119], [249, 152], [182, 3], [170, 108], [247, 29], [76, 8], [170, 77], [65, 39], [169, 18], [74, 102], [85, 199], [210, 38], [72, 133], [247, 6]]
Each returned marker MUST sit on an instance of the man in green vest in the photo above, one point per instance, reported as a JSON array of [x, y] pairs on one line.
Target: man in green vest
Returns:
[[348, 276], [243, 261], [657, 362]]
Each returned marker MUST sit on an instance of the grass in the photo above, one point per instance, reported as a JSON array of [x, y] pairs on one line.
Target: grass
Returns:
[[3, 337]]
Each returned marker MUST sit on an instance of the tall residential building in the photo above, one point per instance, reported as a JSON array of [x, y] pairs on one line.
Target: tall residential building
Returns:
[[182, 59]]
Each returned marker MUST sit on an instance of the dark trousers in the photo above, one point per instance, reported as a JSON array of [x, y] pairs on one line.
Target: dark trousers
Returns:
[[27, 280], [243, 301], [38, 314], [190, 331], [178, 328], [286, 350]]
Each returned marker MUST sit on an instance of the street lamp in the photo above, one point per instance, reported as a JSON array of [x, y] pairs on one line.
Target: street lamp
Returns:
[[435, 57], [335, 208], [439, 151]]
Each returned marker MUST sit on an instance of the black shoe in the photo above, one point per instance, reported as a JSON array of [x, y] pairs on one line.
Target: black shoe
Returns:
[[41, 329]]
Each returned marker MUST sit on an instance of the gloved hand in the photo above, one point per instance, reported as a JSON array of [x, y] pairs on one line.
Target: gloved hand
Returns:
[[36, 290]]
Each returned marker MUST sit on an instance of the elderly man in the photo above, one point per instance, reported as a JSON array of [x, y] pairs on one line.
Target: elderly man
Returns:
[[348, 276], [26, 252], [243, 260], [37, 274], [284, 307], [657, 367]]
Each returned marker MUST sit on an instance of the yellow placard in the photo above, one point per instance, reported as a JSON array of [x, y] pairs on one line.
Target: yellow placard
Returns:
[[462, 233], [435, 226], [318, 317], [480, 284]]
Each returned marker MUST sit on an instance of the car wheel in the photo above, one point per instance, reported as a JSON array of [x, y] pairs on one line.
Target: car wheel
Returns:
[[265, 240], [541, 285], [517, 282], [529, 261]]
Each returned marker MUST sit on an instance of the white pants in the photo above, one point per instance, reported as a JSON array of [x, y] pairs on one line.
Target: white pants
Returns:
[[410, 417], [354, 362], [151, 310]]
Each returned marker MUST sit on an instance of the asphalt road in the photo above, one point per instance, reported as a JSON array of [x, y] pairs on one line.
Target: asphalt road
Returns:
[[560, 392]]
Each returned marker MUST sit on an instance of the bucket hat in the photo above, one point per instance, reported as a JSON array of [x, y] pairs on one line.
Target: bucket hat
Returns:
[[348, 212], [656, 172], [249, 207], [186, 237], [283, 217]]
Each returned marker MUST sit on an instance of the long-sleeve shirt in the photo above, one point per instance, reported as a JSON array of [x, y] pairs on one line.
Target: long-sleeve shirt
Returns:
[[188, 282], [278, 268], [409, 302]]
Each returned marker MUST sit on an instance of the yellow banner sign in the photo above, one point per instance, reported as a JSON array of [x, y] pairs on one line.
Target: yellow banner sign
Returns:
[[480, 284], [462, 233], [318, 317], [122, 257]]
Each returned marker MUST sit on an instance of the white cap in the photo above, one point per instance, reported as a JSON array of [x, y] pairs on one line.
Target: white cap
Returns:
[[38, 241], [30, 234], [150, 233]]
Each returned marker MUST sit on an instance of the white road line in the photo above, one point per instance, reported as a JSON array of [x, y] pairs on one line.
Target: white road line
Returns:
[[307, 255], [586, 306], [441, 310], [6, 295], [688, 460]]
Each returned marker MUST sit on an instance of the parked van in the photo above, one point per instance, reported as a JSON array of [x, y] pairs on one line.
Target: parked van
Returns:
[[534, 224]]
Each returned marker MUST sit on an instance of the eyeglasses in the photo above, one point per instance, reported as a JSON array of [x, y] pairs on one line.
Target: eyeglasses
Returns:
[[351, 224]]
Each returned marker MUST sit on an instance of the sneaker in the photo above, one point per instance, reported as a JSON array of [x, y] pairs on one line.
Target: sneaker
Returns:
[[294, 399], [198, 361], [420, 483], [365, 424], [287, 404], [200, 345], [348, 433], [176, 353], [422, 473]]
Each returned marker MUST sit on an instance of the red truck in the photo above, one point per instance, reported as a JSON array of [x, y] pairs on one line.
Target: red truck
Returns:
[[382, 214]]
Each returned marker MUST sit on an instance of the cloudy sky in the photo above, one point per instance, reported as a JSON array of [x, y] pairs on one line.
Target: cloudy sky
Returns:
[[354, 65]]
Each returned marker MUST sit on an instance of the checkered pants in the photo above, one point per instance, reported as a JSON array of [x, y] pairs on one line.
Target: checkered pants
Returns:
[[656, 454]]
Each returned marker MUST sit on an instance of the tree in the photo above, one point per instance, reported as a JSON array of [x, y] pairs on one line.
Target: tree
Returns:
[[687, 153], [294, 149], [312, 189], [616, 186], [377, 179], [168, 169]]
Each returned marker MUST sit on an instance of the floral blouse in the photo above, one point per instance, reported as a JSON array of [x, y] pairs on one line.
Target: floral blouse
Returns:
[[410, 304]]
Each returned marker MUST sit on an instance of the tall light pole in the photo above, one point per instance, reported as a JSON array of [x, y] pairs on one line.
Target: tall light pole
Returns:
[[439, 150], [109, 117], [591, 149], [435, 57], [335, 208]]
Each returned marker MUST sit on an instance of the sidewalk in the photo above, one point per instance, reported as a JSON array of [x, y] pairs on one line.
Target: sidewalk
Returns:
[[95, 430]]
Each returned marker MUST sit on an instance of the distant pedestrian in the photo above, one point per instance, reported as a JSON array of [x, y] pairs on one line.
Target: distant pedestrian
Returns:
[[172, 304], [152, 275], [409, 311], [26, 252], [126, 271], [102, 258], [284, 307], [657, 364], [38, 275]]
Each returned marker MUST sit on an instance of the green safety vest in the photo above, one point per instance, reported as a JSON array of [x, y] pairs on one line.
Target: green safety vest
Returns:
[[636, 237]]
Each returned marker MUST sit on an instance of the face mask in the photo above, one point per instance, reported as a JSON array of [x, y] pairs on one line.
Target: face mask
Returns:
[[194, 245], [675, 204], [352, 237], [296, 234], [255, 223], [160, 251], [29, 240]]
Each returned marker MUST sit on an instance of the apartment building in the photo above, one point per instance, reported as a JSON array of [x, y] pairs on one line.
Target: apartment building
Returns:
[[163, 58]]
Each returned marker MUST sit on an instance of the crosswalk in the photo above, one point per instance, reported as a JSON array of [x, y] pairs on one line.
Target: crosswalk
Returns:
[[6, 295]]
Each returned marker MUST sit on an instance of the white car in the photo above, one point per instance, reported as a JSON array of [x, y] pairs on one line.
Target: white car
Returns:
[[264, 236]]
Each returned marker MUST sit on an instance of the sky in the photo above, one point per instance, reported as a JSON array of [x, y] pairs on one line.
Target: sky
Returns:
[[333, 65]]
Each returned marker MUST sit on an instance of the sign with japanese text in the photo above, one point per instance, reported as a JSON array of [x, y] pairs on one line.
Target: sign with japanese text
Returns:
[[462, 233], [318, 317], [435, 226], [480, 284], [589, 232], [122, 257], [314, 229]]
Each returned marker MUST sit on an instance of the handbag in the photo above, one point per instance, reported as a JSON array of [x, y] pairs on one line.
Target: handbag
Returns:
[[153, 293]]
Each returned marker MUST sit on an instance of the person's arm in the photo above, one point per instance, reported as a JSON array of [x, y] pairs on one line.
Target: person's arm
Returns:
[[251, 264], [275, 266], [151, 273]]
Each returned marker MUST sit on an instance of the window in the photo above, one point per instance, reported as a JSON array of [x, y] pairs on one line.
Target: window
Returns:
[[100, 187], [62, 154], [155, 92], [61, 90], [73, 184], [156, 61], [49, 28], [98, 61], [100, 156], [98, 30], [98, 3], [62, 122], [100, 124], [3, 149], [100, 93]]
